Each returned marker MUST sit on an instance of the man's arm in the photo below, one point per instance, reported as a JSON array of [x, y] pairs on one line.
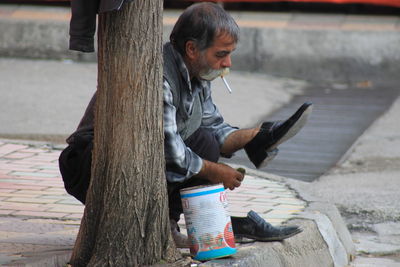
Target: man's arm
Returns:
[[182, 158], [182, 163], [237, 140], [220, 173], [231, 139]]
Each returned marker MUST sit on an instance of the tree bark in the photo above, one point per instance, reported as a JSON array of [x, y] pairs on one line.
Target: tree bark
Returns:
[[125, 222]]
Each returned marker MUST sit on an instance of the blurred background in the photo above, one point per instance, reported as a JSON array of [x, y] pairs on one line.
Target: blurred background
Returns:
[[326, 6]]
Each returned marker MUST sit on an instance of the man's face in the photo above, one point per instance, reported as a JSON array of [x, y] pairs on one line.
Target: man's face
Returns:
[[216, 57]]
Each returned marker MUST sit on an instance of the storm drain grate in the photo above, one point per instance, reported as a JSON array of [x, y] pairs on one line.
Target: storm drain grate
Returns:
[[341, 114]]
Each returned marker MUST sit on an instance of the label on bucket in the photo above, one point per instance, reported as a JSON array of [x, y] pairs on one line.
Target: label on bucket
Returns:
[[208, 222]]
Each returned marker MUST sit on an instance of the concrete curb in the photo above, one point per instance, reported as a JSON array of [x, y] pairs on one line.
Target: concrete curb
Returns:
[[328, 241], [295, 251], [325, 241], [330, 55]]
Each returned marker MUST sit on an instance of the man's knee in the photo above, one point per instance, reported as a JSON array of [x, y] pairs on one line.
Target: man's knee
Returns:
[[204, 143]]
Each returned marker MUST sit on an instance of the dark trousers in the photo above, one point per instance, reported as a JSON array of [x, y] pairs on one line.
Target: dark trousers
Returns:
[[75, 167], [204, 144], [75, 163]]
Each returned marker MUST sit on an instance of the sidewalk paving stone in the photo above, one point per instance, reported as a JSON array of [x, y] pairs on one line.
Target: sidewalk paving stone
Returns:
[[31, 200], [289, 207], [32, 192], [70, 201], [56, 190], [21, 206], [74, 216], [277, 212], [66, 208], [19, 155], [262, 200], [32, 178], [3, 190], [281, 217], [5, 149], [40, 214], [5, 167], [58, 197], [34, 174], [19, 181], [47, 167], [15, 194], [51, 183], [21, 186], [6, 212]]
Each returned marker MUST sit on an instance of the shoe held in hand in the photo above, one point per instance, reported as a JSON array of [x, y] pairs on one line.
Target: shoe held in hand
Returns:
[[272, 134]]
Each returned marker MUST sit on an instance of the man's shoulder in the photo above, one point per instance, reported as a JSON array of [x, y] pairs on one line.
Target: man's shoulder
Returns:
[[168, 51], [171, 64]]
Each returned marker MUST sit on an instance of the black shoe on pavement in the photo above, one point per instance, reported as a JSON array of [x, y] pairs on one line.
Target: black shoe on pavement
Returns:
[[272, 134], [255, 228]]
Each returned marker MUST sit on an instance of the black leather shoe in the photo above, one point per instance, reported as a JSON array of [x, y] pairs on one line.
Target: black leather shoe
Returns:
[[272, 134], [255, 228]]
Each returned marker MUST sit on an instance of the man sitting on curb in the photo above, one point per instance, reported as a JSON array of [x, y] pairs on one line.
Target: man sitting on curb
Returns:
[[196, 135], [199, 51]]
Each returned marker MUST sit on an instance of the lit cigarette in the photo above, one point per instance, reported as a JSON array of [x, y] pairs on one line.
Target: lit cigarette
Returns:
[[227, 85]]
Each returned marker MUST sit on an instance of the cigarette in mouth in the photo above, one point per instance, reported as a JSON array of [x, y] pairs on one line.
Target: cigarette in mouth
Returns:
[[226, 84]]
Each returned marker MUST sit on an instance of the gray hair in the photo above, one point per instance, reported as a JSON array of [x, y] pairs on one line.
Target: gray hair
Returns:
[[201, 23]]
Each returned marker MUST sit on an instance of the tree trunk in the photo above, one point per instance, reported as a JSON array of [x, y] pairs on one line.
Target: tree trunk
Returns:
[[125, 222]]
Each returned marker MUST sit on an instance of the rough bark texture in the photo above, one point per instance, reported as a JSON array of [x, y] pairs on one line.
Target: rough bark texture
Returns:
[[125, 222]]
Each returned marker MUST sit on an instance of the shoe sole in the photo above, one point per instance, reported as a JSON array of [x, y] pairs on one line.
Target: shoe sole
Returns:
[[299, 119], [243, 239], [297, 126], [268, 159]]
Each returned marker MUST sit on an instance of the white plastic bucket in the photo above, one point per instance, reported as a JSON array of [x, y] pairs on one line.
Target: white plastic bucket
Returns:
[[208, 222]]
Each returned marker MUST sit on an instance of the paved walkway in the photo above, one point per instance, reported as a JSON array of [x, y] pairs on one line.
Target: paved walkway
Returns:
[[37, 216]]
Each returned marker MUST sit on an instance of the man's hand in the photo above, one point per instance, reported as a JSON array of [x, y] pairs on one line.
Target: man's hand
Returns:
[[221, 173]]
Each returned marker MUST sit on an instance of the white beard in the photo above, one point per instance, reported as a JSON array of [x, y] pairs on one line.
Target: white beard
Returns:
[[211, 74]]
